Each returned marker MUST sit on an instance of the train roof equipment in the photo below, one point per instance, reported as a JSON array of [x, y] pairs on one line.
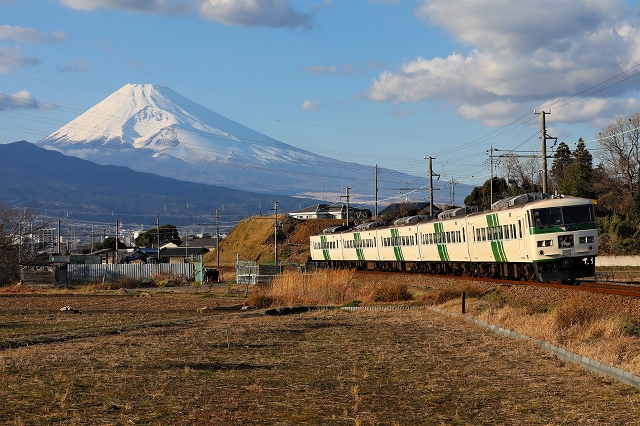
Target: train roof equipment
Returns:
[[371, 225], [520, 199], [335, 229], [412, 219], [460, 211]]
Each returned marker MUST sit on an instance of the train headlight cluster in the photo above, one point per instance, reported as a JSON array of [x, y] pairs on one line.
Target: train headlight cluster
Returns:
[[585, 240], [545, 243]]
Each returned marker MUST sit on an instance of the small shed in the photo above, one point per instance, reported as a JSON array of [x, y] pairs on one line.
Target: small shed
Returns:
[[52, 274]]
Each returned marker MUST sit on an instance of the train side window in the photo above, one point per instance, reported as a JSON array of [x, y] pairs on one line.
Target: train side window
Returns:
[[519, 229], [499, 232], [478, 234], [484, 234]]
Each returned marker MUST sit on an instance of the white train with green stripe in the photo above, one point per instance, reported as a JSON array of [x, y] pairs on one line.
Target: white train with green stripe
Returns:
[[532, 236]]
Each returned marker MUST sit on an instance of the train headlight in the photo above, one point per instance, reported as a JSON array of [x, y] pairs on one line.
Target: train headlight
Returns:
[[545, 243], [585, 240]]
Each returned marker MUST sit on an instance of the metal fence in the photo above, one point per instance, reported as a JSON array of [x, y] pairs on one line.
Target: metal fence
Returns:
[[141, 272], [248, 272]]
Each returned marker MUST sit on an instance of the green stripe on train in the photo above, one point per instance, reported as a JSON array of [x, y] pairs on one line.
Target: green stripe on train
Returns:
[[325, 252], [497, 246], [359, 252], [397, 250], [443, 252]]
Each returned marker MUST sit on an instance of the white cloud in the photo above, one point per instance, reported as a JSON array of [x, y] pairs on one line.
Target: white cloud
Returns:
[[268, 13], [19, 100], [28, 35], [310, 105], [11, 58], [543, 50], [169, 7]]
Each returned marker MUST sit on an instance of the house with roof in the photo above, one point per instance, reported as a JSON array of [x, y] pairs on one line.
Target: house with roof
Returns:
[[182, 254]]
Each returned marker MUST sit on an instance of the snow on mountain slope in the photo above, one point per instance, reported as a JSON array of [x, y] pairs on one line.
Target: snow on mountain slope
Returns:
[[151, 128], [164, 123]]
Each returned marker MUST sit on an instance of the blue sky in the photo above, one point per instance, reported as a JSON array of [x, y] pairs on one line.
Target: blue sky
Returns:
[[386, 82]]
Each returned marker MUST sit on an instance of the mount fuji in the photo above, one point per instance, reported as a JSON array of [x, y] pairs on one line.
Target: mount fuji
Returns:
[[150, 128]]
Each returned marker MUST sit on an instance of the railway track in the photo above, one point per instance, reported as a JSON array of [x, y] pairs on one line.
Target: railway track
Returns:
[[620, 288]]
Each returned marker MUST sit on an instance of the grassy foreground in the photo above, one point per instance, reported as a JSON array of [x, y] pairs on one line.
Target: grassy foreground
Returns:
[[137, 358], [331, 367]]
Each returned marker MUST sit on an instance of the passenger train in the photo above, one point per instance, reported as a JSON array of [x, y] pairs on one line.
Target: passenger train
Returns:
[[532, 236]]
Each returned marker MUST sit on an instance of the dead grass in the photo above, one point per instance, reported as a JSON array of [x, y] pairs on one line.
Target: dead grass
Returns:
[[327, 367], [331, 287], [253, 240]]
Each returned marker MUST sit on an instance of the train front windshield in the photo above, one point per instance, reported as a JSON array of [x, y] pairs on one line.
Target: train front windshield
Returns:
[[558, 216]]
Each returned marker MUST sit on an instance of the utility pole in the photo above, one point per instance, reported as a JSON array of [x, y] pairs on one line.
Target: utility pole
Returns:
[[275, 232], [544, 148], [92, 239], [218, 237], [491, 174], [186, 245], [59, 239], [452, 184], [431, 175], [377, 172], [117, 239], [158, 234], [346, 188]]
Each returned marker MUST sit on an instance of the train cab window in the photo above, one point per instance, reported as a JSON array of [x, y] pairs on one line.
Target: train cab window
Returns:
[[478, 234]]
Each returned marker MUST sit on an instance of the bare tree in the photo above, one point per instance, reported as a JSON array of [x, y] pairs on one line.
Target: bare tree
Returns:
[[19, 228], [619, 153], [524, 173]]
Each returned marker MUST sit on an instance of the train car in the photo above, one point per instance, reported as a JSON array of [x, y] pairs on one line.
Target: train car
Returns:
[[532, 236]]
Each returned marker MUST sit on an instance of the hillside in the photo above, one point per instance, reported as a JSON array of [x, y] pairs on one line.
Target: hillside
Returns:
[[63, 186], [253, 239]]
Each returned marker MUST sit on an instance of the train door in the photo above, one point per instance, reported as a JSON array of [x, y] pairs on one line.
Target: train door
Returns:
[[475, 242], [520, 228], [463, 244]]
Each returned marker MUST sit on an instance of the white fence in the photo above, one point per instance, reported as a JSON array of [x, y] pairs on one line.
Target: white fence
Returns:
[[142, 272]]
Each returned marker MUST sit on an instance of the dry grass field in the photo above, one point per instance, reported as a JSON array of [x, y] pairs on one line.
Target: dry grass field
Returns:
[[153, 360]]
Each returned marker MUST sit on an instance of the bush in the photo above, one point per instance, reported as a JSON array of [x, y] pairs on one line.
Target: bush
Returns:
[[396, 293], [258, 301], [573, 313]]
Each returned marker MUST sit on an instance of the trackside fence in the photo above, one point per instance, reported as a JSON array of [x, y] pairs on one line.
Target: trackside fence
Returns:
[[141, 272]]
